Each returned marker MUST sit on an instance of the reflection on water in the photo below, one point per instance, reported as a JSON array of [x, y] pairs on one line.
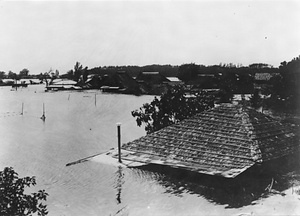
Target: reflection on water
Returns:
[[119, 182], [256, 183], [76, 127]]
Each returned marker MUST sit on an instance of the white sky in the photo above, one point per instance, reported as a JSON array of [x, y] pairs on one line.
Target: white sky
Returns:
[[39, 35]]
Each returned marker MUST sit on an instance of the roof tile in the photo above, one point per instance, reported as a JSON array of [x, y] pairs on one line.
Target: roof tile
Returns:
[[225, 140]]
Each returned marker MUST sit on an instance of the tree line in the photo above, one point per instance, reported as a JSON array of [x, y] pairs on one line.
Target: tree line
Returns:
[[16, 76], [282, 91], [282, 88]]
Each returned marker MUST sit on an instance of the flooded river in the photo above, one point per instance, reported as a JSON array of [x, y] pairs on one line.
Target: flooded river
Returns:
[[81, 124]]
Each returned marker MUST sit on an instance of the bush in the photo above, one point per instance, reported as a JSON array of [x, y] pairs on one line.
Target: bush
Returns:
[[13, 201]]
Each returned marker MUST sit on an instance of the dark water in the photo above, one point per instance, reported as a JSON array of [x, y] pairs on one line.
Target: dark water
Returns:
[[78, 126]]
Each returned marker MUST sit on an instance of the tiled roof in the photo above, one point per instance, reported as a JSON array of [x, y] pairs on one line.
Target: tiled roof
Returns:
[[225, 140]]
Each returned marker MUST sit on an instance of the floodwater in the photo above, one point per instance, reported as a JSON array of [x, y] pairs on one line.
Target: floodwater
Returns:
[[81, 124]]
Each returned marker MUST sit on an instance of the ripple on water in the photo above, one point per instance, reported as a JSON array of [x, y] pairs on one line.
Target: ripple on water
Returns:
[[76, 128]]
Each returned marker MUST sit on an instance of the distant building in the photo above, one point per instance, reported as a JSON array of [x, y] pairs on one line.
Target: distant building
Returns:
[[93, 82], [263, 77], [120, 82], [152, 78], [152, 82], [262, 80], [175, 81], [204, 81], [62, 84]]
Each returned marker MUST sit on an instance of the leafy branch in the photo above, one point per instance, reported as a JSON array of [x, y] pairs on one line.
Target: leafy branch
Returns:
[[172, 107]]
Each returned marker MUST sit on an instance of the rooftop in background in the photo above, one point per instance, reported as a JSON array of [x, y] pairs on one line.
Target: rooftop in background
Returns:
[[225, 141], [151, 78], [63, 82], [264, 76], [150, 73], [174, 79]]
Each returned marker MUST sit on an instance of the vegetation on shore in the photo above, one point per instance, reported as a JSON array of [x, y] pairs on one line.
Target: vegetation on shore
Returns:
[[281, 91], [280, 94]]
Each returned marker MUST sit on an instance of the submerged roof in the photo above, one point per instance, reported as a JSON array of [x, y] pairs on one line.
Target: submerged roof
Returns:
[[225, 140]]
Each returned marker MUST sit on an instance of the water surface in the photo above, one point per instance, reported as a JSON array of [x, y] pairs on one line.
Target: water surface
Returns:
[[80, 124]]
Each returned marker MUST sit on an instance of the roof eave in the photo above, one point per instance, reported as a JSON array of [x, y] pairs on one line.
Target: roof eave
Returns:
[[133, 159]]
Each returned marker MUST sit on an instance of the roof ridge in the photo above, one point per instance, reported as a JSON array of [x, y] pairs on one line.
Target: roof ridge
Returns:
[[254, 148], [242, 113]]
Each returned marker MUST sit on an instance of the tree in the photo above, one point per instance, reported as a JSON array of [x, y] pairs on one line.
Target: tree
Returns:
[[285, 90], [187, 72], [47, 75], [83, 77], [56, 74], [255, 100], [85, 74], [2, 75], [12, 75], [24, 73], [172, 107], [78, 71], [53, 75], [260, 65], [13, 201], [68, 75], [227, 83]]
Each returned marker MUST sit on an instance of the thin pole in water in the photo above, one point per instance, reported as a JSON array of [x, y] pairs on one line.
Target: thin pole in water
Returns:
[[119, 141], [69, 97], [22, 108], [95, 100], [43, 116]]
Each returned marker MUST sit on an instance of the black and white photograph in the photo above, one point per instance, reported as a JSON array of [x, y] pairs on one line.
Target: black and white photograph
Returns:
[[150, 108]]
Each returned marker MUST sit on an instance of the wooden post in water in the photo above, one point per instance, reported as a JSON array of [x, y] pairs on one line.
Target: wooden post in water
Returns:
[[119, 141], [22, 108], [95, 100], [43, 116]]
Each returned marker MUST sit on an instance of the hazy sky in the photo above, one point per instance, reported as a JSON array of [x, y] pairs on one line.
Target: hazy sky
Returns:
[[40, 35]]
